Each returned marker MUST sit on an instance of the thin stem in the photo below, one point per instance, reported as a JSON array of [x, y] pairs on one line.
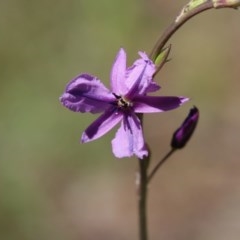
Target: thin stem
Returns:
[[178, 22], [160, 163], [193, 8], [142, 199]]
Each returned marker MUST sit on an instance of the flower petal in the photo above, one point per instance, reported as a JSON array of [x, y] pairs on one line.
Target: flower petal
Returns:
[[118, 73], [129, 139], [101, 125], [86, 93], [153, 87], [150, 104], [139, 77]]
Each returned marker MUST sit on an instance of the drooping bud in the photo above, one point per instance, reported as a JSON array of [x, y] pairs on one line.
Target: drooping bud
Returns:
[[183, 134]]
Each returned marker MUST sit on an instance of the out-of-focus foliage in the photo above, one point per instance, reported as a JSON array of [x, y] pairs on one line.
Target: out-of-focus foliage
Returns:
[[53, 187]]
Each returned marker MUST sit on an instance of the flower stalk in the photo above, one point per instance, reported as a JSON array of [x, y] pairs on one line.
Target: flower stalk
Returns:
[[160, 163], [193, 8], [142, 198]]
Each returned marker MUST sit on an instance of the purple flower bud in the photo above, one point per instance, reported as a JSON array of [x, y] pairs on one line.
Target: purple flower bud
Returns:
[[182, 135]]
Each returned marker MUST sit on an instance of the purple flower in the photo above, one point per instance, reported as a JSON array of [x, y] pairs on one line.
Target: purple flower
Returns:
[[121, 104], [183, 134]]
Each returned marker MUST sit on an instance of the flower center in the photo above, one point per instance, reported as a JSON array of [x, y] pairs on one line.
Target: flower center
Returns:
[[122, 102]]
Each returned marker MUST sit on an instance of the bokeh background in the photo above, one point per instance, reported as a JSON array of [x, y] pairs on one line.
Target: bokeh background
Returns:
[[53, 187]]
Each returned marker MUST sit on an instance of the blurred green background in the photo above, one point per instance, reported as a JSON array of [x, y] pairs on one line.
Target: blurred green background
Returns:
[[53, 187]]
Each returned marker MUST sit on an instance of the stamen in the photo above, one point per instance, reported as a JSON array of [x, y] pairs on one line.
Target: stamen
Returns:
[[116, 96], [122, 102]]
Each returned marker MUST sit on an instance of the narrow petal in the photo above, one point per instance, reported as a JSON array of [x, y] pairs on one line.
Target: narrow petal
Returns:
[[102, 125], [150, 104], [129, 139], [86, 93], [118, 73], [139, 77]]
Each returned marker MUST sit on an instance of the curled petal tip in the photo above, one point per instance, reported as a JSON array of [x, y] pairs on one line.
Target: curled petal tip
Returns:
[[121, 50], [184, 99], [84, 138]]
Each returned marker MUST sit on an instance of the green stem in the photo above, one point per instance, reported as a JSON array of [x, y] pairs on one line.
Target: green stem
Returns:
[[142, 198], [160, 163]]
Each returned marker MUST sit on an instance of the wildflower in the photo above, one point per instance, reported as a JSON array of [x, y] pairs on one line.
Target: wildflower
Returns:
[[127, 98], [183, 134]]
